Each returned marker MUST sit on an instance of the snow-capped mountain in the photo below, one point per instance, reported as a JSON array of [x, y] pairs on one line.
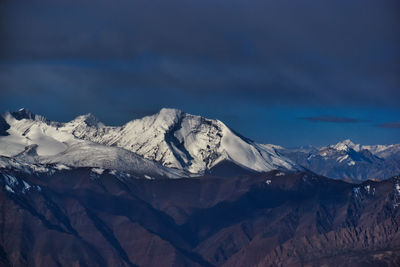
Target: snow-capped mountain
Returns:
[[170, 143], [182, 141], [348, 160], [34, 143]]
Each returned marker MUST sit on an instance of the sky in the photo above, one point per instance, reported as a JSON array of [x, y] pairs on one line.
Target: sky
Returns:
[[285, 72]]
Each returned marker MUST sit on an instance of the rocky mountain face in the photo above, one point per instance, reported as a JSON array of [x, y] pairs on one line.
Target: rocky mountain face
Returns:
[[346, 160], [3, 127], [83, 217]]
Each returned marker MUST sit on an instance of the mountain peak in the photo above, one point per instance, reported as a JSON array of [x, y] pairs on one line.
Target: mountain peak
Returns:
[[165, 118], [170, 113], [348, 142], [345, 145], [194, 143], [23, 113], [89, 119]]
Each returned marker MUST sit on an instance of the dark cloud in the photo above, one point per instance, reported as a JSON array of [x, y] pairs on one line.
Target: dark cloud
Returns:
[[189, 81], [390, 125], [285, 52], [332, 119]]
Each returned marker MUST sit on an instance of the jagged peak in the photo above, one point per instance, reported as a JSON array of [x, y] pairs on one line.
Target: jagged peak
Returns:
[[345, 145], [164, 119], [168, 117], [23, 113], [176, 114], [173, 111], [169, 113], [347, 142], [89, 119]]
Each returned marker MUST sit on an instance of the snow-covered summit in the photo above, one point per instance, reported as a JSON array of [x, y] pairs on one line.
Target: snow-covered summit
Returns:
[[88, 119], [26, 114], [23, 113], [345, 146], [189, 142], [382, 151], [349, 160]]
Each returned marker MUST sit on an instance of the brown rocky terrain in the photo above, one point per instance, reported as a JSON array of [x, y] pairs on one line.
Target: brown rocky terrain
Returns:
[[80, 218]]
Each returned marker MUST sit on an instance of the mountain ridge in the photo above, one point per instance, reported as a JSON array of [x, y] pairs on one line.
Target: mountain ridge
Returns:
[[191, 144], [185, 141], [268, 219], [346, 159]]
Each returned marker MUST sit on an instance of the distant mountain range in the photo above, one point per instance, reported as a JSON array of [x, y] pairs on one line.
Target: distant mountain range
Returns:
[[346, 160]]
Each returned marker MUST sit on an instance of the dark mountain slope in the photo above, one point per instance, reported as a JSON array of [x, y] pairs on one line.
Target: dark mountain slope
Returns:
[[78, 217]]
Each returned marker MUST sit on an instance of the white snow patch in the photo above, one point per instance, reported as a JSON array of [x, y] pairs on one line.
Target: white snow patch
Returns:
[[367, 188], [12, 145], [268, 181], [342, 158], [87, 154], [11, 180], [99, 171], [9, 189], [12, 185], [148, 177], [397, 188], [47, 145], [356, 191], [61, 167], [24, 133], [26, 185], [40, 168]]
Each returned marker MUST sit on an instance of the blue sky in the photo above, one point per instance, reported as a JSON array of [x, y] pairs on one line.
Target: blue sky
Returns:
[[290, 73]]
